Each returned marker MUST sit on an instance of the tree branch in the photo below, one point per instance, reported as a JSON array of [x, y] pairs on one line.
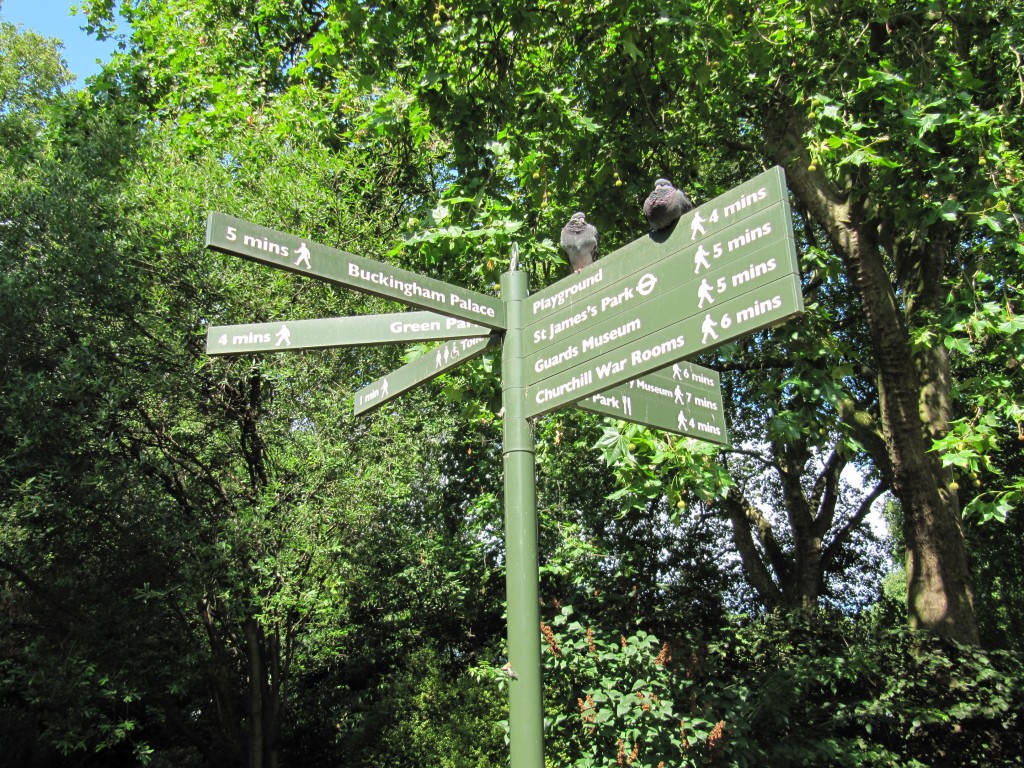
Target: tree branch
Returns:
[[832, 550], [742, 514]]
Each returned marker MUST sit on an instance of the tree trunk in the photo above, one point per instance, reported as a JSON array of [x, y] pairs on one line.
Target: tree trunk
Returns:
[[940, 597], [262, 694], [804, 589], [255, 718], [223, 684], [790, 580]]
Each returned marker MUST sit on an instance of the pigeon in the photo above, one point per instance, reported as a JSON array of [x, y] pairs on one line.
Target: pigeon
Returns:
[[579, 241], [665, 204]]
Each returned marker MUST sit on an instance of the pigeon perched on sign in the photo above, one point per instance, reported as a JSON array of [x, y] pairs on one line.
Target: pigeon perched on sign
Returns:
[[665, 204], [579, 241]]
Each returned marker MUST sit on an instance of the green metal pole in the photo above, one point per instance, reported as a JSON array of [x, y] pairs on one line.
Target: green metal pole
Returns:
[[526, 711]]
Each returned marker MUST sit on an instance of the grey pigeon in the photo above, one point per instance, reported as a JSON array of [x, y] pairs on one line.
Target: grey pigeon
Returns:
[[579, 241], [665, 204]]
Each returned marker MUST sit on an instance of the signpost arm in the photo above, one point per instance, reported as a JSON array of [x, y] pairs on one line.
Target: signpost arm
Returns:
[[526, 711]]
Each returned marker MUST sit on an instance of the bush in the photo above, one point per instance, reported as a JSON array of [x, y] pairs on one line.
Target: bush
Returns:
[[784, 690]]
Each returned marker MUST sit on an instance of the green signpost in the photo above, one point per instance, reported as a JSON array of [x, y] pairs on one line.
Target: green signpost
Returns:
[[422, 369], [559, 381], [399, 328], [612, 339], [685, 399], [663, 285], [727, 269], [295, 254]]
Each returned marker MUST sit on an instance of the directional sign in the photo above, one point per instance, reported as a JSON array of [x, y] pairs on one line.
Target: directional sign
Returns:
[[293, 335], [425, 368], [295, 254], [605, 335], [685, 399], [727, 269], [738, 259], [728, 319], [706, 225]]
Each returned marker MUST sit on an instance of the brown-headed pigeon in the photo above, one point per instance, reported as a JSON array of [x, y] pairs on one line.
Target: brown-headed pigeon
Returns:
[[665, 204], [579, 241]]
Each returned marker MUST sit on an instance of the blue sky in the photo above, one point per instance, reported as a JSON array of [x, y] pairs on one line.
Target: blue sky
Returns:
[[52, 18]]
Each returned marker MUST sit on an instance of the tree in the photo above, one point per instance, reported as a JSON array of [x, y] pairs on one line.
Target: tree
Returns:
[[151, 495], [897, 146], [874, 170], [32, 75], [796, 524], [903, 225]]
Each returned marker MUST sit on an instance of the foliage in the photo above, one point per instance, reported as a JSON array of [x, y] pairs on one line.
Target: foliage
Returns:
[[989, 342], [999, 579], [430, 712], [826, 691], [632, 561], [614, 700], [32, 76], [139, 445], [787, 690]]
